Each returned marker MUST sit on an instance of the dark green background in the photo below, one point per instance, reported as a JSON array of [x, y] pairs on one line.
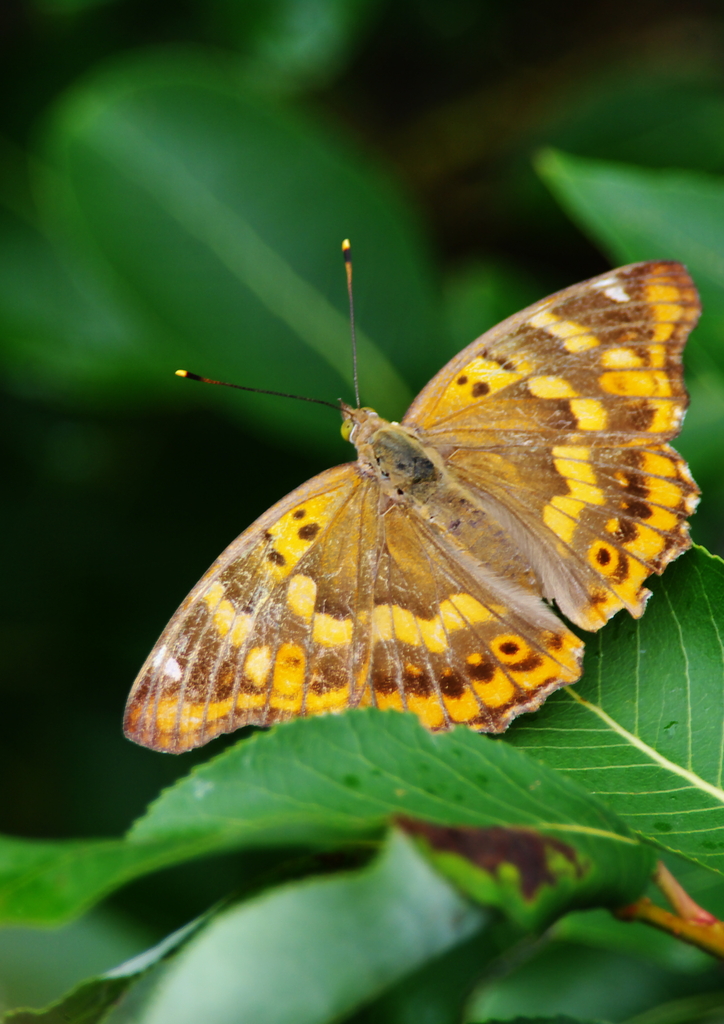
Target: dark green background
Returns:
[[417, 124]]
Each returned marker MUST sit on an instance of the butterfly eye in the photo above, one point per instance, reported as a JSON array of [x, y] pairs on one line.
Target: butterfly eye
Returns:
[[346, 429]]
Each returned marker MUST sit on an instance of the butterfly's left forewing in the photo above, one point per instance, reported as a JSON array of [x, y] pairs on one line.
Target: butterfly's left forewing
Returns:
[[275, 628]]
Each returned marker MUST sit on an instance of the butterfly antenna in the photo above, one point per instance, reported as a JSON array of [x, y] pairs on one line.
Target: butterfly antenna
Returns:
[[347, 252], [258, 391]]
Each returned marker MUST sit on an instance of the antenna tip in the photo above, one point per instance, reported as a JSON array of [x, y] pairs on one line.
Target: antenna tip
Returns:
[[182, 373], [346, 248]]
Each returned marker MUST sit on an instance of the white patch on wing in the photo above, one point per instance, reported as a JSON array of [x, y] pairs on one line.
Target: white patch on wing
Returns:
[[612, 289], [172, 669], [160, 655], [617, 294]]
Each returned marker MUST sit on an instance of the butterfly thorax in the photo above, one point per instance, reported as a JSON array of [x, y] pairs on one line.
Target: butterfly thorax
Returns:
[[404, 466]]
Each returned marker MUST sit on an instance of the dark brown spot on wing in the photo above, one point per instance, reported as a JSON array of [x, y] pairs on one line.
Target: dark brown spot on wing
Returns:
[[480, 388], [527, 664], [640, 509], [328, 675], [383, 682], [626, 531], [309, 531], [641, 415], [276, 557], [417, 681], [451, 684], [621, 571], [483, 672]]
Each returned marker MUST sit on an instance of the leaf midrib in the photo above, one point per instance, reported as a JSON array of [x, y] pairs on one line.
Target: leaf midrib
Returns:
[[685, 773]]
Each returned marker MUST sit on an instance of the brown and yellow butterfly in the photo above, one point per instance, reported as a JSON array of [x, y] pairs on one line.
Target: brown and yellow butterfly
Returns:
[[533, 468]]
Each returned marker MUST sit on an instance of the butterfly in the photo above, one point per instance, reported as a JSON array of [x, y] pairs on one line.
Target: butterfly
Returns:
[[533, 468]]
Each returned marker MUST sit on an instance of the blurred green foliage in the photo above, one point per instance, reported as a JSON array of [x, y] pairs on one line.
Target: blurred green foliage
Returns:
[[175, 182]]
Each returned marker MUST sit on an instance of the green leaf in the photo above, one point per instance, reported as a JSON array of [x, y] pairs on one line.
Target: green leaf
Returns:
[[46, 882], [91, 1001], [636, 213], [321, 782], [643, 729], [315, 950], [335, 779], [689, 1010], [224, 216], [290, 45], [540, 1020], [62, 328], [37, 965], [437, 992]]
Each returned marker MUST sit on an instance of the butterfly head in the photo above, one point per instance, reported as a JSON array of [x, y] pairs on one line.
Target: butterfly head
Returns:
[[358, 425]]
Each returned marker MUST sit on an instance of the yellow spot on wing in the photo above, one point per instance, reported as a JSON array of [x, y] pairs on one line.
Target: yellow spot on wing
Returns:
[[456, 612], [662, 293], [427, 709], [647, 543], [241, 629], [479, 378], [575, 337], [551, 387], [657, 353], [561, 524], [663, 331], [404, 625], [301, 595], [585, 492], [636, 383], [663, 492], [658, 465], [575, 469], [288, 678], [662, 519], [257, 665], [433, 634], [667, 416], [570, 506], [572, 452], [166, 712], [666, 311], [291, 537], [590, 413], [213, 595], [462, 708], [467, 606], [224, 616], [621, 359], [328, 700], [389, 700], [331, 632], [218, 709], [250, 701], [499, 690]]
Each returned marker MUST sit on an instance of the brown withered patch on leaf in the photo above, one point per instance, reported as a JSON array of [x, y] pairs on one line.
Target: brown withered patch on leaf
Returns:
[[489, 848]]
